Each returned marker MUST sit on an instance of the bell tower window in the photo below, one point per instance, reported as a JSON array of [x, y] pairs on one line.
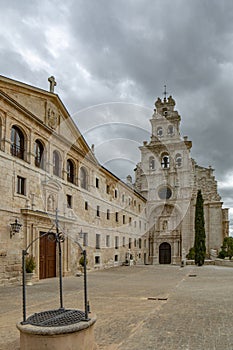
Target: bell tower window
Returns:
[[170, 130], [178, 160], [152, 163], [165, 111], [159, 131], [165, 161]]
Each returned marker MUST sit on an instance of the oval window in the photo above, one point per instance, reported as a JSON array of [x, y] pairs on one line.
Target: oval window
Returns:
[[165, 193]]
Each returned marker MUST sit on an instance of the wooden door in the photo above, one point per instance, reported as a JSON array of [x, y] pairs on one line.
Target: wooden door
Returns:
[[47, 257], [165, 253]]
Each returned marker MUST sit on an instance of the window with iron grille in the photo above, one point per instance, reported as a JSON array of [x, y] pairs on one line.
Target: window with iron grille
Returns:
[[85, 239], [70, 171], [21, 185], [17, 142], [97, 241], [69, 201], [39, 154]]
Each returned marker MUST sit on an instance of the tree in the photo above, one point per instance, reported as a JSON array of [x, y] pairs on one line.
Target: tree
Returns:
[[199, 243], [227, 248]]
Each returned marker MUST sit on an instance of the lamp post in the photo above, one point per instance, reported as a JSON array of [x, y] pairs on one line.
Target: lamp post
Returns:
[[84, 253]]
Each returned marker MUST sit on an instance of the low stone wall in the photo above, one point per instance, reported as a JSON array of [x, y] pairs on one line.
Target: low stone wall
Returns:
[[217, 262], [78, 336], [223, 262]]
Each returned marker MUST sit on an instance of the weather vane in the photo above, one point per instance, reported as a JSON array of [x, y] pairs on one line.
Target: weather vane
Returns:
[[165, 92]]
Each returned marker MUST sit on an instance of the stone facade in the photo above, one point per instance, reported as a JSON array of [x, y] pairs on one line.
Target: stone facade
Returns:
[[47, 165], [47, 169], [169, 179]]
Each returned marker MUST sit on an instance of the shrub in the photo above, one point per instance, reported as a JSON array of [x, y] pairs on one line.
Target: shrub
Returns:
[[222, 254], [30, 263], [81, 261], [191, 254]]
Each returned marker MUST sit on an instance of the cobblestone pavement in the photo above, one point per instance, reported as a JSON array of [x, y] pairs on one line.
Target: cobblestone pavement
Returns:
[[139, 307]]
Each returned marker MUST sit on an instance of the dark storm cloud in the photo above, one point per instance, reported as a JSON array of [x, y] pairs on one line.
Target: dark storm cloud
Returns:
[[125, 51]]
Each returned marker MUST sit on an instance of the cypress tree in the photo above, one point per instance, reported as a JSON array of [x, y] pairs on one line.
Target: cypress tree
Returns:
[[199, 244]]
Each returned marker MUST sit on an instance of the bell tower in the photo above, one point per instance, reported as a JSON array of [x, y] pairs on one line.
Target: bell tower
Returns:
[[165, 177]]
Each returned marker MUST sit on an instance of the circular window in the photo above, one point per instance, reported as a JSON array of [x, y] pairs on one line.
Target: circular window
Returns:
[[165, 193]]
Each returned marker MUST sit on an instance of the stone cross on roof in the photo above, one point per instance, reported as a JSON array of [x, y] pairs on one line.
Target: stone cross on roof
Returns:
[[52, 83]]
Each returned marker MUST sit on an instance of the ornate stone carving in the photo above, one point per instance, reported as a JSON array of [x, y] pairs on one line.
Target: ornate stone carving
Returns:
[[52, 118]]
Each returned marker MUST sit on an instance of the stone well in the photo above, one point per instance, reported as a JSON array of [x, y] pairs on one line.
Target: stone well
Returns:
[[74, 336]]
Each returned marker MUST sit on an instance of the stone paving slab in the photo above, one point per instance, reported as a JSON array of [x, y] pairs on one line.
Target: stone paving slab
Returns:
[[196, 315]]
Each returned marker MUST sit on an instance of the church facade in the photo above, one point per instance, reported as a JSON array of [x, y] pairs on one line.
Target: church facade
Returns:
[[49, 172], [169, 179]]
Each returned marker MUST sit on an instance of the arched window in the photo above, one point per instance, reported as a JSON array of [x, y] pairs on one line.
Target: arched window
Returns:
[[165, 111], [159, 131], [39, 154], [165, 161], [17, 142], [178, 160], [56, 163], [83, 178], [70, 171], [170, 130], [152, 163]]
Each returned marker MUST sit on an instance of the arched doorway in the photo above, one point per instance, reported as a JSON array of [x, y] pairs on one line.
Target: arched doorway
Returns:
[[165, 253]]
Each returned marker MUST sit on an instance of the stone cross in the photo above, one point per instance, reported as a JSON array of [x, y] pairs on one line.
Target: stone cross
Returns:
[[52, 83]]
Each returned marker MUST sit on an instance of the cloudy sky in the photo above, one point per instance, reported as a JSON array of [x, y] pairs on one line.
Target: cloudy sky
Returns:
[[111, 59]]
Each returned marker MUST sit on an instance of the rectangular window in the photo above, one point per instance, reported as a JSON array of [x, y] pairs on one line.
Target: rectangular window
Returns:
[[107, 189], [108, 214], [98, 210], [130, 243], [116, 216], [69, 201], [144, 243], [123, 198], [123, 241], [115, 193], [86, 205], [97, 241], [21, 185], [140, 224], [135, 242], [107, 241], [97, 260], [139, 243], [130, 221], [96, 182], [116, 242], [123, 219], [85, 239]]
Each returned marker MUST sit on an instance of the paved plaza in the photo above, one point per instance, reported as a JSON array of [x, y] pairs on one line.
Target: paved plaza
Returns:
[[139, 307]]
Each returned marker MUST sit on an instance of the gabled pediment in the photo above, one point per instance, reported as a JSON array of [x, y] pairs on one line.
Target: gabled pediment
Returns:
[[47, 108]]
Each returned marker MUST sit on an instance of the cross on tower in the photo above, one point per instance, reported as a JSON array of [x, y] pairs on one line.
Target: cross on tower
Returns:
[[165, 92], [52, 83]]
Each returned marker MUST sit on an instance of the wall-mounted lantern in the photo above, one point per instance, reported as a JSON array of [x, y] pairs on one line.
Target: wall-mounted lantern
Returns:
[[15, 228]]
